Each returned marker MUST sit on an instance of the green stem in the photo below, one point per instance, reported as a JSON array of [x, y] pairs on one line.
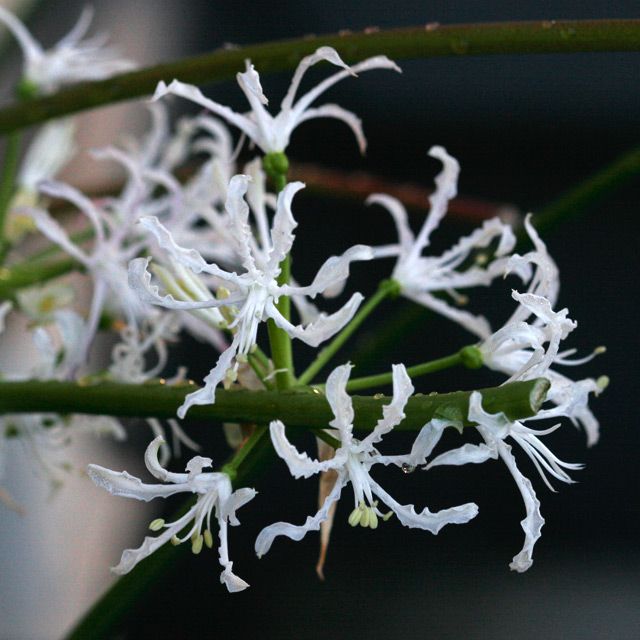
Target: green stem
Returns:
[[501, 38], [280, 341], [7, 185], [250, 446], [26, 275], [260, 371], [385, 288], [321, 434], [465, 356], [276, 166], [580, 198], [295, 408]]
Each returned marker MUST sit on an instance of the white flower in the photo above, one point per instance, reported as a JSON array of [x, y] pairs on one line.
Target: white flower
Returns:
[[495, 428], [421, 276], [214, 491], [43, 437], [272, 133], [353, 461], [70, 60], [252, 295], [114, 243], [526, 350]]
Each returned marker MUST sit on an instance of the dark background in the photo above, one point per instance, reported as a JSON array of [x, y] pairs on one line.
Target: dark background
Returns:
[[524, 129]]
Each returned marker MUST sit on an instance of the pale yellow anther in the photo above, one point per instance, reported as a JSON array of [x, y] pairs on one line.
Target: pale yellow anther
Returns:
[[364, 518], [156, 524], [354, 518], [602, 382], [600, 349], [175, 541], [196, 545], [373, 519], [222, 293], [242, 358], [253, 348], [387, 515], [208, 539]]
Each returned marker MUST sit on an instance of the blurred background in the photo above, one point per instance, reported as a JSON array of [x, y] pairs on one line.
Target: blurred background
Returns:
[[525, 129]]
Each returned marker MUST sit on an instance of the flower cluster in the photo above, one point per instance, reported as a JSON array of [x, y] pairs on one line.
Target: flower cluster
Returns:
[[210, 255]]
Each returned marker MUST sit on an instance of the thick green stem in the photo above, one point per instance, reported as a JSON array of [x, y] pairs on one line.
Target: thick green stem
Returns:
[[385, 289], [295, 408], [424, 41], [466, 357], [7, 185]]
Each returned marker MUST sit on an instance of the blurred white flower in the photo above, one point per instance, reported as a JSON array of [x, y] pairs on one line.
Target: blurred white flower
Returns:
[[69, 61]]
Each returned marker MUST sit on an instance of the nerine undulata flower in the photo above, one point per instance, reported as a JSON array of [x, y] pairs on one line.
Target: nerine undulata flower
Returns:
[[421, 277], [353, 461], [214, 492], [528, 345], [495, 429], [114, 242], [272, 133], [251, 297], [70, 60]]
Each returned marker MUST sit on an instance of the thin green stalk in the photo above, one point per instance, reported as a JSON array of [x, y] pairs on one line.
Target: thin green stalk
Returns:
[[469, 357], [577, 200], [302, 409], [7, 185], [260, 371], [321, 434], [385, 289], [276, 166], [424, 41], [26, 275], [254, 442], [280, 341]]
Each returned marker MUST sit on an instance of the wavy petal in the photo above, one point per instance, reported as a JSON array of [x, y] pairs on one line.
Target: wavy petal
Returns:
[[300, 464], [426, 520], [323, 327], [333, 273], [297, 532], [392, 413], [190, 92]]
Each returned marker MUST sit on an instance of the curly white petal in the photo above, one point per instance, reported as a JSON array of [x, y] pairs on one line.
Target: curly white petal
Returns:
[[300, 464], [322, 328], [297, 532], [426, 520]]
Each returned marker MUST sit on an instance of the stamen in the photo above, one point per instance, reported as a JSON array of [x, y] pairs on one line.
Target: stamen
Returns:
[[156, 524], [208, 538], [175, 541], [354, 518], [196, 544]]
